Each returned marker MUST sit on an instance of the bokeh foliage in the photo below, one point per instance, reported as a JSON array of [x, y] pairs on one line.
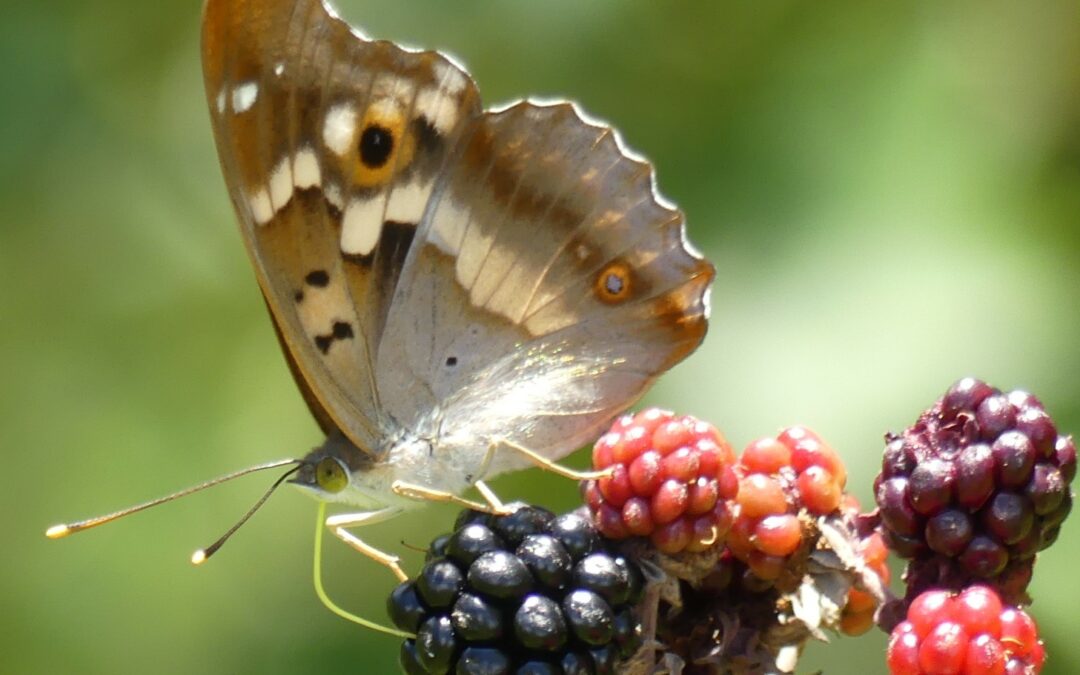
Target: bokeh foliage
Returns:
[[891, 195]]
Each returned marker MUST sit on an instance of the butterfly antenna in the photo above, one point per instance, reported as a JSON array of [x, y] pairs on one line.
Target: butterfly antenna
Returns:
[[200, 556], [58, 531]]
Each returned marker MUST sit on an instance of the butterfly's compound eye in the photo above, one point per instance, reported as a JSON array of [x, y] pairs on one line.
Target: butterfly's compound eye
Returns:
[[331, 475]]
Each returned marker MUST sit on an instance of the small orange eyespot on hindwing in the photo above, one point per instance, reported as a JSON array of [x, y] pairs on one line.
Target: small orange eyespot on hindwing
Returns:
[[614, 283]]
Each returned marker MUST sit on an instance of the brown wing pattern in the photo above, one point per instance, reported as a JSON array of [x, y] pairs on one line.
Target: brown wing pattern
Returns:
[[465, 275], [548, 288], [330, 145]]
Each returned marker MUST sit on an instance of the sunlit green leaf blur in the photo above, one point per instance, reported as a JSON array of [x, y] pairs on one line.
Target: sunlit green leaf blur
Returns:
[[891, 194]]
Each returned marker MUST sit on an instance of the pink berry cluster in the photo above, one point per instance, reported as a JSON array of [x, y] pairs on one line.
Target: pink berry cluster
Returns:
[[966, 633], [780, 477], [672, 479], [675, 479]]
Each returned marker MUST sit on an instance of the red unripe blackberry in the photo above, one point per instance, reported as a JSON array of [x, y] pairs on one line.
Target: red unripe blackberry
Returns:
[[929, 609], [969, 633], [761, 495], [672, 479], [985, 656], [978, 484], [943, 650], [902, 654], [782, 479], [765, 456], [978, 609], [807, 449], [819, 489]]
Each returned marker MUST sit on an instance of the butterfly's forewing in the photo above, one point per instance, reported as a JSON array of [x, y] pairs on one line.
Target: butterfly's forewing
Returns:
[[330, 145], [547, 288]]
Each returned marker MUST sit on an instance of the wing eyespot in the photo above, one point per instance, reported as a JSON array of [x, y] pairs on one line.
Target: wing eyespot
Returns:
[[614, 283], [386, 144]]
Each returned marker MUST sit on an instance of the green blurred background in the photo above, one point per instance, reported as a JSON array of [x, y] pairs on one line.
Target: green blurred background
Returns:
[[891, 196]]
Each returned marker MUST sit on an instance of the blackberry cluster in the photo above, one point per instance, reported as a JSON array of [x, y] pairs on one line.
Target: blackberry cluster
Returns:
[[975, 488], [527, 593]]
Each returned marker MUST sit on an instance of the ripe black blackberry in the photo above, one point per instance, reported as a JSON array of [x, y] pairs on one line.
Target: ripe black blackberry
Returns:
[[975, 488], [528, 593]]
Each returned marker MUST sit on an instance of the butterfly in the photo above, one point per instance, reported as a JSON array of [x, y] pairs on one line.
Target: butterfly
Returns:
[[458, 292]]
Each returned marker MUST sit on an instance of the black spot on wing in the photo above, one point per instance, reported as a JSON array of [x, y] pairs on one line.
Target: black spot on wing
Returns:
[[376, 144], [317, 278], [427, 137], [341, 330]]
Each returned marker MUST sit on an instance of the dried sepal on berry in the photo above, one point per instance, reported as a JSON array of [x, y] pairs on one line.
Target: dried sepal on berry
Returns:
[[721, 617]]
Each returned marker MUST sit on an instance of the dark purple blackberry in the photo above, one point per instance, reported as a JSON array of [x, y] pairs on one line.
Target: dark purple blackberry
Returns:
[[975, 488], [526, 594]]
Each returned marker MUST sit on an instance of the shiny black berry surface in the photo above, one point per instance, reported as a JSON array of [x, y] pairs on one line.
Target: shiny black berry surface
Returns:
[[518, 594]]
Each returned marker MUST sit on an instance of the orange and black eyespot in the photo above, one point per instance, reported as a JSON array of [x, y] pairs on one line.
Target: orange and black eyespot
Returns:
[[614, 283], [386, 145]]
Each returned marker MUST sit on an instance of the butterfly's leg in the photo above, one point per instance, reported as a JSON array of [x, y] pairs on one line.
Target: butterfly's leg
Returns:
[[412, 491], [548, 465], [491, 498], [338, 524], [477, 480]]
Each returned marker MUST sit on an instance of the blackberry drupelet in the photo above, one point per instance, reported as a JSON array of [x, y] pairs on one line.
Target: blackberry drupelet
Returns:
[[527, 593]]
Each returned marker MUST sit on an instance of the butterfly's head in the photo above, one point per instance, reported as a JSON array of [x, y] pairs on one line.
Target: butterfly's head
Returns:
[[338, 471]]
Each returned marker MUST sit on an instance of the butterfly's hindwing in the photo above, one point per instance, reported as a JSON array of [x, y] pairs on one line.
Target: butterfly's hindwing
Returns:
[[548, 288]]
